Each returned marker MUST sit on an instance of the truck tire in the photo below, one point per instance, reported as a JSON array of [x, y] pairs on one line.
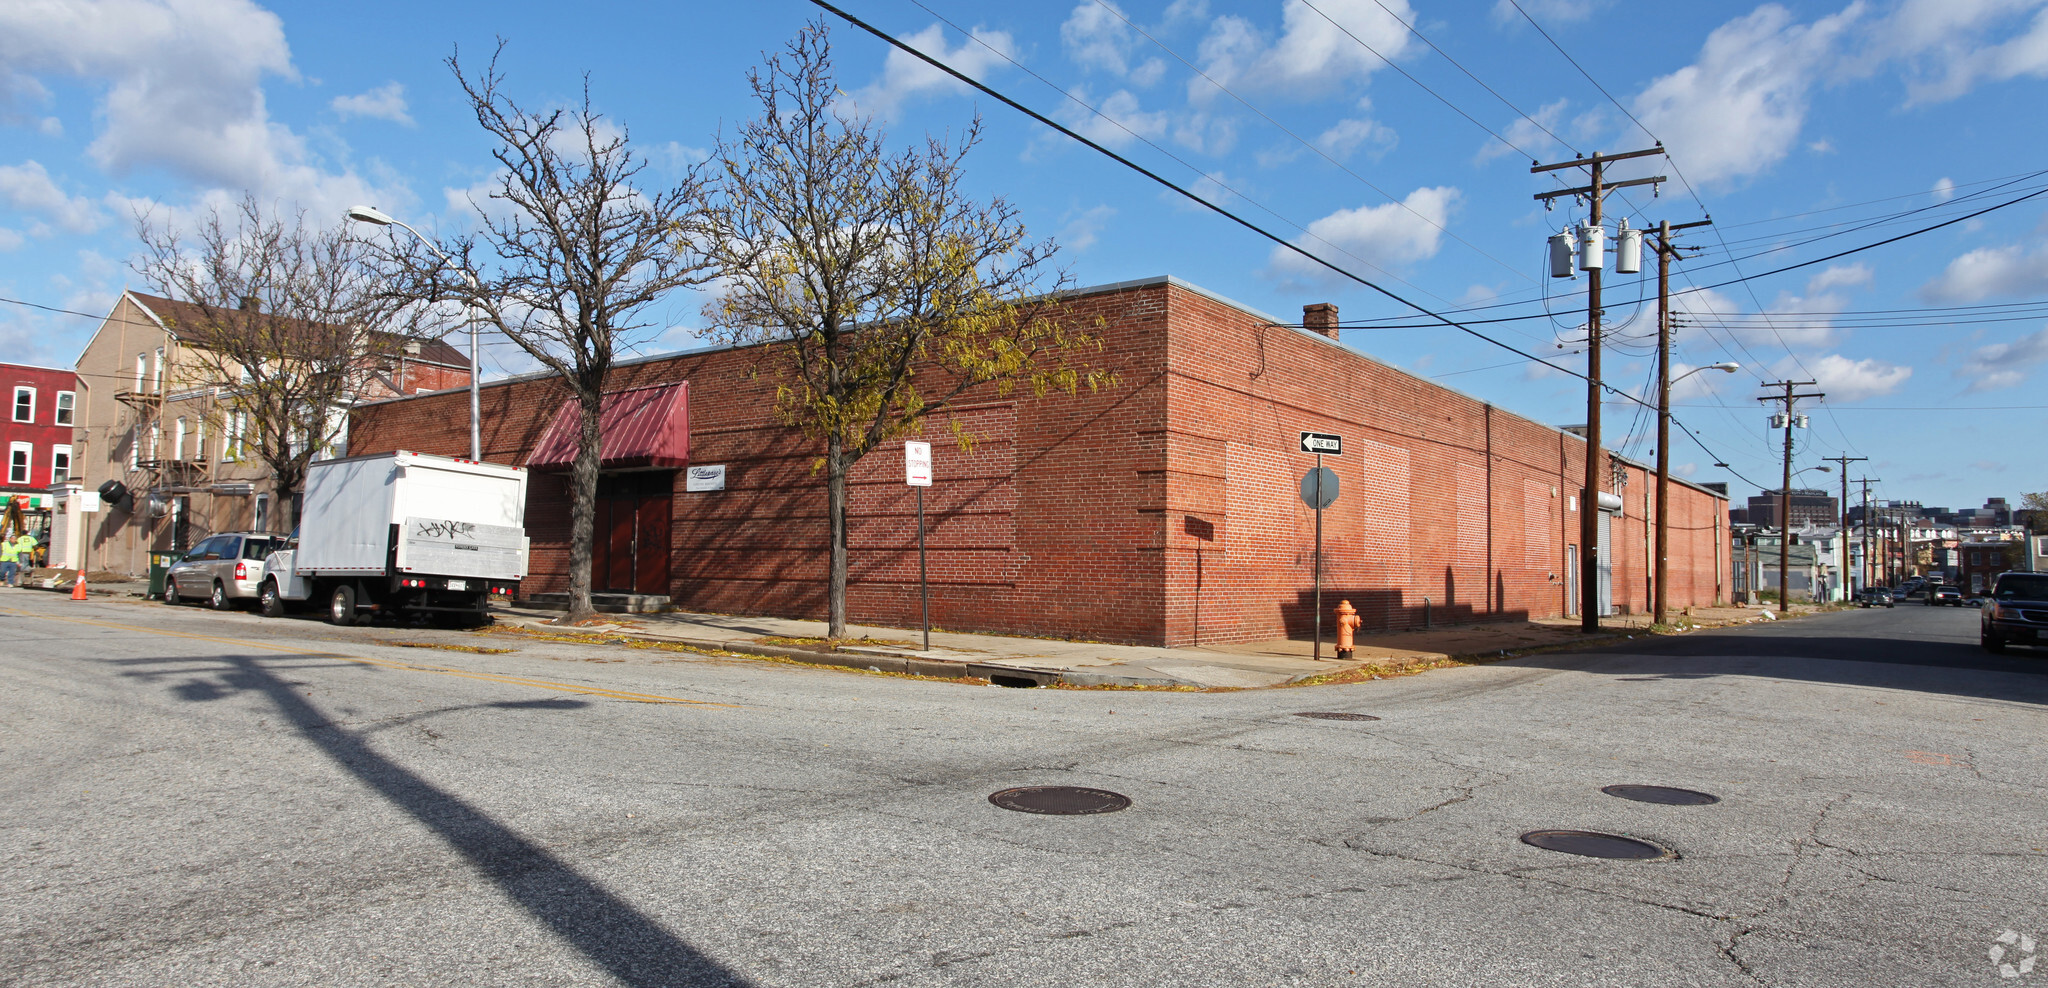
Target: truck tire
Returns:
[[269, 600], [341, 607]]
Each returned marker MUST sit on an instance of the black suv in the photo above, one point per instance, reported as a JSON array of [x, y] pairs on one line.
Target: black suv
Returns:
[[2016, 613]]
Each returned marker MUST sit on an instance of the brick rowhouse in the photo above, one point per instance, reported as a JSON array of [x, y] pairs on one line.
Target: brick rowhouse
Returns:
[[1164, 511]]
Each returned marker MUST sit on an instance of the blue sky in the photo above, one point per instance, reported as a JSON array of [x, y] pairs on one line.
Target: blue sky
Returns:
[[1399, 152]]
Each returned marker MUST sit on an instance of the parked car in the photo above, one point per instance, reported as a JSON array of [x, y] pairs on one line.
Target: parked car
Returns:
[[2016, 613], [1878, 597], [1945, 596], [221, 570]]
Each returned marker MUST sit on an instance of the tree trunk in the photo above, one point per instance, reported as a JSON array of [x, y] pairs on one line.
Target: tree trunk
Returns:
[[835, 511], [583, 506]]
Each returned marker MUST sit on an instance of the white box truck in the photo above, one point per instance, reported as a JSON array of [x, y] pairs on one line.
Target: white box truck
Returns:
[[403, 533]]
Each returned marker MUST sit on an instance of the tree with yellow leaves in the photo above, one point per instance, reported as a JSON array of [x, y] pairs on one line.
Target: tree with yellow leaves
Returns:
[[881, 291]]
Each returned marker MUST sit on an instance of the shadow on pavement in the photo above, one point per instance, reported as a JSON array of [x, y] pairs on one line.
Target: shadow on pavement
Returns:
[[1920, 664], [610, 932]]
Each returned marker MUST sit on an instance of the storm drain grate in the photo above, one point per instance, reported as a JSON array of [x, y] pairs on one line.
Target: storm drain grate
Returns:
[[1060, 800], [1594, 845], [1336, 715], [1666, 795]]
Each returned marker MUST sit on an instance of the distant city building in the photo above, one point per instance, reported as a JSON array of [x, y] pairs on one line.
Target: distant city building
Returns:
[[1809, 507]]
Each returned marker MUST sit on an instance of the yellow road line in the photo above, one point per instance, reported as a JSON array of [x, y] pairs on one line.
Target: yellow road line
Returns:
[[487, 677]]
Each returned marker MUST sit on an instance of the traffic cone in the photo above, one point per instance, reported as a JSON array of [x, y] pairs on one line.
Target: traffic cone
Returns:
[[78, 588]]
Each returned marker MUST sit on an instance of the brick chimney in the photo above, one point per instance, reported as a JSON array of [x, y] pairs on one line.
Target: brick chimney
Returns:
[[1320, 318]]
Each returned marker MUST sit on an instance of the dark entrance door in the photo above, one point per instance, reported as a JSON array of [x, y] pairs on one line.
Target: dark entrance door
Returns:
[[630, 549]]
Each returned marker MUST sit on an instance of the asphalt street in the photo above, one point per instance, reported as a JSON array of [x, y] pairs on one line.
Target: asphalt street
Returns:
[[193, 798]]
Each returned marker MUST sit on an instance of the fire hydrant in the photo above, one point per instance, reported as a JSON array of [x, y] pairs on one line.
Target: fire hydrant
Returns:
[[1347, 622]]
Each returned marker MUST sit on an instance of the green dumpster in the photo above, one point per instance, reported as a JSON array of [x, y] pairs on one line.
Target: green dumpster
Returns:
[[159, 566]]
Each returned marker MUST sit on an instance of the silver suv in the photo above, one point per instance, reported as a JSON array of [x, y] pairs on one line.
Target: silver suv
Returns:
[[221, 570]]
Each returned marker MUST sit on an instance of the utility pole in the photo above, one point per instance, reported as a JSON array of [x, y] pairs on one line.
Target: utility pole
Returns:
[[1591, 260], [1665, 252], [1843, 538], [1785, 491], [1866, 482]]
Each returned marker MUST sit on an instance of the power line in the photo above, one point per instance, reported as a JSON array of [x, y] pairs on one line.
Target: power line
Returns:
[[1169, 184], [52, 308], [1346, 169], [1069, 132], [1118, 124], [1468, 74], [1582, 69]]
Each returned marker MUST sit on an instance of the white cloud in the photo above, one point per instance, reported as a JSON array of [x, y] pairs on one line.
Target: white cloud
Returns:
[[2002, 365], [1345, 138], [1847, 380], [1839, 276], [183, 78], [182, 92], [1738, 109], [1799, 320], [1951, 46], [906, 77], [1318, 48], [386, 102], [1547, 11], [10, 240], [1387, 235], [1531, 133], [1084, 226], [1097, 37], [1944, 190], [1117, 122], [28, 187], [1989, 272]]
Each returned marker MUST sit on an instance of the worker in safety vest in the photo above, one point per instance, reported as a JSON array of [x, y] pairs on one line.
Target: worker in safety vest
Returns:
[[10, 562], [25, 556]]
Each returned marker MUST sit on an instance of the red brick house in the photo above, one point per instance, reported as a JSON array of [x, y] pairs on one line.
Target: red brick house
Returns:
[[35, 435], [1165, 511]]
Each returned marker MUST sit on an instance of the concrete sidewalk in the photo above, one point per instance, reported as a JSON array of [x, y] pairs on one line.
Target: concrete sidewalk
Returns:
[[1044, 661]]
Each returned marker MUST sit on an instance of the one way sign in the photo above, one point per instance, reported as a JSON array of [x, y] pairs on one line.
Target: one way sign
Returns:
[[1322, 442]]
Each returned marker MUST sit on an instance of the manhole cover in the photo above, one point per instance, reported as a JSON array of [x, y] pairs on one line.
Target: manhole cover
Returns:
[[1592, 845], [1060, 800], [1336, 715], [1666, 795]]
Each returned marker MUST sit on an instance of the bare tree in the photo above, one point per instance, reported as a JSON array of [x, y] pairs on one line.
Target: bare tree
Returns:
[[2035, 506], [282, 321], [882, 290], [578, 250]]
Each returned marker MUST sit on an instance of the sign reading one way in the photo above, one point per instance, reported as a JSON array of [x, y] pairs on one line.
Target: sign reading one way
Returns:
[[1322, 442], [917, 464]]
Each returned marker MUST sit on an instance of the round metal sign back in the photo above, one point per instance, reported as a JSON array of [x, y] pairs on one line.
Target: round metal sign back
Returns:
[[1321, 497]]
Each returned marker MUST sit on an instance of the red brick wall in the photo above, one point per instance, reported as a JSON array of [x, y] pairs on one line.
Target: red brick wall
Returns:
[[1162, 511], [1444, 499]]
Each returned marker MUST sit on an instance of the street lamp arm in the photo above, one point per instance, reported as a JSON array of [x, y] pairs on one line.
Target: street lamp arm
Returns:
[[1729, 367]]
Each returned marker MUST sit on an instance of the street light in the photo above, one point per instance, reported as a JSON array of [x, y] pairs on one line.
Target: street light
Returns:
[[377, 217], [1729, 366], [1664, 466]]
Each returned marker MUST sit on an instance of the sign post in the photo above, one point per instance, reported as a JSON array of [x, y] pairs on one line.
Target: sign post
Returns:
[[917, 472], [1318, 491]]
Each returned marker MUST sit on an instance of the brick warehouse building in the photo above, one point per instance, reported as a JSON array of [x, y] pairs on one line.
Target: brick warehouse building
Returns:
[[1164, 511]]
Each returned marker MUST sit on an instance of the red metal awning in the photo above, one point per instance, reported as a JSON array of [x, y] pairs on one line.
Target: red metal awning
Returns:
[[642, 427]]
